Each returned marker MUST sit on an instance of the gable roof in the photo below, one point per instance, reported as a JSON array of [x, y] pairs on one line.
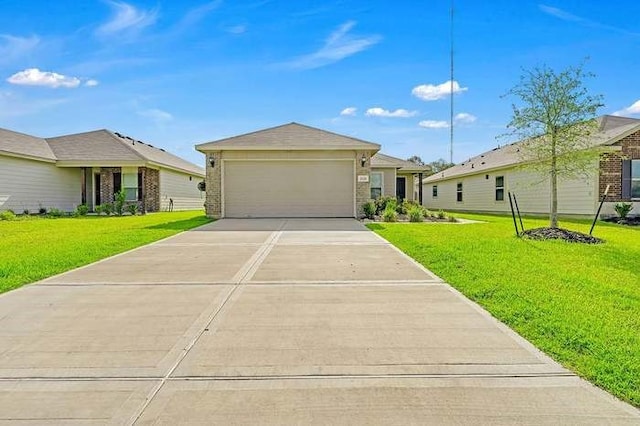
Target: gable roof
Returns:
[[25, 145], [610, 130], [380, 160], [292, 136], [103, 146]]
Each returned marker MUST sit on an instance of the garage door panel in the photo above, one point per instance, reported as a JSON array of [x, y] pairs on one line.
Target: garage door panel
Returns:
[[300, 188]]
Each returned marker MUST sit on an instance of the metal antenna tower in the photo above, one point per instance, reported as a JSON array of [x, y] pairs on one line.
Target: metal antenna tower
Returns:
[[451, 90]]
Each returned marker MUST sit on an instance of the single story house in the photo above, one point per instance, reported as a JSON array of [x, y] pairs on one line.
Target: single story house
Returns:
[[295, 170], [481, 183], [89, 168]]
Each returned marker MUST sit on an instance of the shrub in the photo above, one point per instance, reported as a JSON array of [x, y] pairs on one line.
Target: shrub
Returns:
[[623, 209], [82, 210], [107, 208], [452, 219], [369, 209], [42, 210], [98, 210], [390, 214], [7, 215], [441, 214], [381, 203], [415, 213], [118, 204], [25, 212], [53, 212], [132, 208]]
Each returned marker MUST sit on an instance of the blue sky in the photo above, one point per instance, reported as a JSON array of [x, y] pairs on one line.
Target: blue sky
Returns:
[[179, 73]]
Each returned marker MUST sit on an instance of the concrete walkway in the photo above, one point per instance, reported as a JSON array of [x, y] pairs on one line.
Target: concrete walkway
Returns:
[[274, 321]]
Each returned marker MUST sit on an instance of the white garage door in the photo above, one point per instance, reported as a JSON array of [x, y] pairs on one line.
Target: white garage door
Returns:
[[286, 188]]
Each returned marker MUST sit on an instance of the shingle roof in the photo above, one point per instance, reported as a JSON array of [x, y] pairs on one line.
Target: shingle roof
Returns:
[[24, 145], [288, 136], [381, 160], [106, 146], [611, 129]]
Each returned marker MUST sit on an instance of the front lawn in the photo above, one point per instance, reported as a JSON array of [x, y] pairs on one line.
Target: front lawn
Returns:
[[36, 248], [578, 303]]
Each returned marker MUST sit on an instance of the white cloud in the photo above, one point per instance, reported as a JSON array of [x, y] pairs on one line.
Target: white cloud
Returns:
[[91, 83], [35, 77], [632, 109], [570, 17], [12, 47], [339, 45], [126, 19], [465, 117], [349, 111], [14, 105], [237, 29], [399, 113], [198, 13], [155, 114], [433, 124], [433, 92]]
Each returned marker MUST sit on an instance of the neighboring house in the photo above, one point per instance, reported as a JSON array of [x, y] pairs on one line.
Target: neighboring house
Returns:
[[89, 168], [288, 171], [481, 183], [393, 177]]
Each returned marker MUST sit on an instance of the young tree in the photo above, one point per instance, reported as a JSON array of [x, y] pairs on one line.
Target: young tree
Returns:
[[555, 118]]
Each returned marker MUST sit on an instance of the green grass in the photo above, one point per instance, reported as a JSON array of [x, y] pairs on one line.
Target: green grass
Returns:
[[578, 303], [36, 248]]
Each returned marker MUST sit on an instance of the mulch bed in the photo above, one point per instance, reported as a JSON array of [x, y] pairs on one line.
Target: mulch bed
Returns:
[[630, 221], [561, 234]]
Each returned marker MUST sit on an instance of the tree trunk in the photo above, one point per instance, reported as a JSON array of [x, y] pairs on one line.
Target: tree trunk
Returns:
[[553, 213]]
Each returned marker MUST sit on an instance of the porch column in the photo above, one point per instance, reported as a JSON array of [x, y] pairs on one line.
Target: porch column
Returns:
[[143, 193], [420, 188]]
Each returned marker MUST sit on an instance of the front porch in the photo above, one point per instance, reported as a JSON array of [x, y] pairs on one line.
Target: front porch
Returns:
[[141, 184]]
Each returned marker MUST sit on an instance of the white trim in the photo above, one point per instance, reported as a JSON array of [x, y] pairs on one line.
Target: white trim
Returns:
[[372, 147], [290, 159], [355, 188], [222, 188]]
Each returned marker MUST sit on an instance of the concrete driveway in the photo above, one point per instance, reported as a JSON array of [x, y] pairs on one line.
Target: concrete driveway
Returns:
[[274, 321]]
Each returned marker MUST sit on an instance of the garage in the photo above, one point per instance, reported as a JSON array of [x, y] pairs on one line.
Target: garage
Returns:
[[291, 170], [289, 188]]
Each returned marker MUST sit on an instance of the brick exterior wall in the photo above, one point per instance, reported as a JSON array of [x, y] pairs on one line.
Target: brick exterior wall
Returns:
[[213, 179], [151, 179], [363, 189], [106, 183], [611, 166]]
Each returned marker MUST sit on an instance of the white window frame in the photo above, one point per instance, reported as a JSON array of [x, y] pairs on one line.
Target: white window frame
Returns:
[[129, 172], [634, 179], [459, 190], [495, 196], [434, 191]]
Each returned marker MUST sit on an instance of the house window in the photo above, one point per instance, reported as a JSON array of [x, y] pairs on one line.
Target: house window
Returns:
[[499, 188], [130, 186], [376, 185], [434, 191], [635, 178], [459, 192]]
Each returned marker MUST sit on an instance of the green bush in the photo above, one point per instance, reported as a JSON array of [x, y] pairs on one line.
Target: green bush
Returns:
[[98, 210], [415, 213], [441, 214], [42, 210], [53, 212], [390, 214], [25, 212], [7, 215], [381, 203], [107, 208], [118, 204], [623, 209], [82, 210], [132, 208], [452, 219], [369, 209]]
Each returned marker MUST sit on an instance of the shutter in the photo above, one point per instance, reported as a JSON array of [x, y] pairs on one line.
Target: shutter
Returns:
[[626, 179]]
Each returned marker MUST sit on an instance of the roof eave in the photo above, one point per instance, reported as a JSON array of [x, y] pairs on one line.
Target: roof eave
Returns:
[[26, 156], [208, 148]]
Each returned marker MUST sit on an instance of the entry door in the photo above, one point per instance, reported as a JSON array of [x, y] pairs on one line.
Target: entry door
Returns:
[[401, 188]]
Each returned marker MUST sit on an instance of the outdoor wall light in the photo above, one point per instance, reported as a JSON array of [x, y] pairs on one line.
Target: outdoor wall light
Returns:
[[363, 160], [212, 160]]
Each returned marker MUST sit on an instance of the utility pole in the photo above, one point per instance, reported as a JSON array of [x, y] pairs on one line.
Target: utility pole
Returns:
[[451, 90]]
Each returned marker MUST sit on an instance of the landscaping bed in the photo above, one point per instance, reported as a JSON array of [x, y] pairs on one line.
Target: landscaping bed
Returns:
[[547, 233]]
